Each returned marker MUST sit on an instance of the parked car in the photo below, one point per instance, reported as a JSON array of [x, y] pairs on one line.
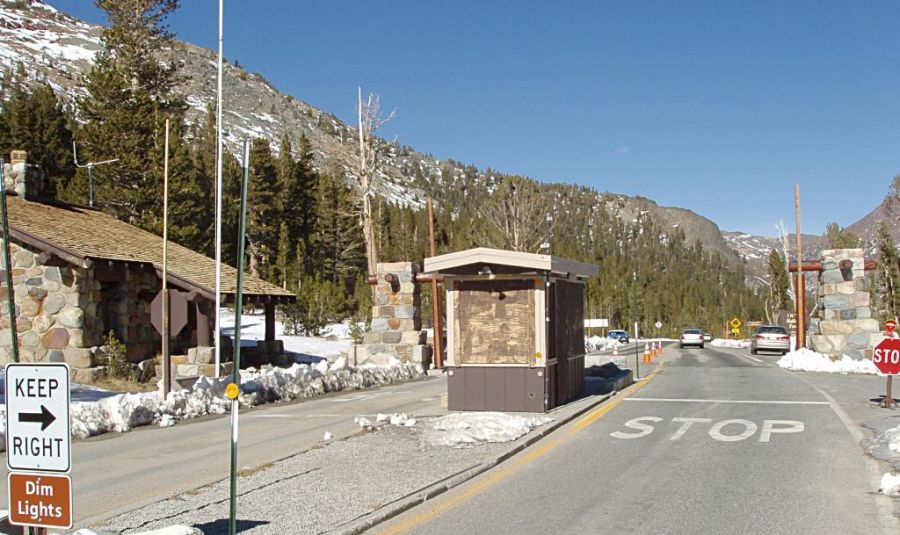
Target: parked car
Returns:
[[707, 337], [691, 337], [621, 336], [770, 338]]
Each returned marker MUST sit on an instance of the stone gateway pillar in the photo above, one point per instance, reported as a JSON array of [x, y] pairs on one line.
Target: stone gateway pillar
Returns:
[[396, 321], [846, 326]]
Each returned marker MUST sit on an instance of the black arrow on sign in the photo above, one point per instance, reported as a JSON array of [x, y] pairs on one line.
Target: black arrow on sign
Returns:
[[45, 417]]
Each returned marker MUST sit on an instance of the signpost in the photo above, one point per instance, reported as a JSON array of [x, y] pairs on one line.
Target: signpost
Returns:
[[735, 326], [38, 445], [886, 358]]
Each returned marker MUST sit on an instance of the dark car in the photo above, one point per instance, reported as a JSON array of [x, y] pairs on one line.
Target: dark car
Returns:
[[621, 336]]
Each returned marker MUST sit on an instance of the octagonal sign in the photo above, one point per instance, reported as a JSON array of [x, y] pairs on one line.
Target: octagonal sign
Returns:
[[887, 356], [177, 312]]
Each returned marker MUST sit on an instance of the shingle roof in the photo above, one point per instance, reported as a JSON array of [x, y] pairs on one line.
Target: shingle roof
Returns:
[[79, 233]]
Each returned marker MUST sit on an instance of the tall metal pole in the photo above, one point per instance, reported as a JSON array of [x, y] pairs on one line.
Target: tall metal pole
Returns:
[[437, 321], [166, 363], [801, 291], [218, 304], [238, 309], [637, 342], [11, 296]]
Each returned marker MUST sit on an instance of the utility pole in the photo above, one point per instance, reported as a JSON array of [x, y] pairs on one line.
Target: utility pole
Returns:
[[437, 320], [90, 167], [801, 290]]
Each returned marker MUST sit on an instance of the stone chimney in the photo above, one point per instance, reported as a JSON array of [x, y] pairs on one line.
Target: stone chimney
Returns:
[[26, 181]]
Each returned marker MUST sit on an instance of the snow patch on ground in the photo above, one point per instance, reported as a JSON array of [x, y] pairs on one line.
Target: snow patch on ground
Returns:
[[599, 343], [809, 361], [736, 344], [334, 342], [466, 429], [398, 419], [890, 484], [122, 412]]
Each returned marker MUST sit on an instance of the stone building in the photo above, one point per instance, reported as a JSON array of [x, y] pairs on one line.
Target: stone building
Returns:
[[79, 273]]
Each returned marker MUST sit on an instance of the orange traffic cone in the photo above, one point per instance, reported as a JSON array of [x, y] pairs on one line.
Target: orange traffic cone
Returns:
[[647, 357]]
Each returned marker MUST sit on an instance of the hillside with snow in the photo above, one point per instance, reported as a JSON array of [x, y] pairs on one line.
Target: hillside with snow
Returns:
[[58, 49]]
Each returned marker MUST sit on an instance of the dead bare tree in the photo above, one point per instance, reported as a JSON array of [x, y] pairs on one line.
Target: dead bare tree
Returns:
[[515, 217], [370, 121], [785, 252]]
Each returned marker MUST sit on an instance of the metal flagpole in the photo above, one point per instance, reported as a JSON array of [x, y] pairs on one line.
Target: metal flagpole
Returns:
[[233, 390], [218, 304], [166, 362]]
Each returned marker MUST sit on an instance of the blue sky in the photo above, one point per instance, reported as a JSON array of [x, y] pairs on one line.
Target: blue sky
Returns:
[[719, 107]]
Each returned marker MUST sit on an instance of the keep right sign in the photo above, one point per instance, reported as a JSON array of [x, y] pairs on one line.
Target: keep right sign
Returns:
[[887, 356]]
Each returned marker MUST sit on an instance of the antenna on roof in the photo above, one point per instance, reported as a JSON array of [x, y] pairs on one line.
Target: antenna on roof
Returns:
[[90, 167]]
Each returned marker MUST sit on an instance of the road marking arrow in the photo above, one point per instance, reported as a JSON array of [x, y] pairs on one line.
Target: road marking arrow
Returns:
[[45, 417]]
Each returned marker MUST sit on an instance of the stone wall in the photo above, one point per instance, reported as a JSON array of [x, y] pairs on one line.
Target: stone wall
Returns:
[[845, 326], [396, 322], [54, 322]]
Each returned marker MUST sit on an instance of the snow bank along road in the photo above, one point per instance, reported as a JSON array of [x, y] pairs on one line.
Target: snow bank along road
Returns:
[[714, 443], [114, 473]]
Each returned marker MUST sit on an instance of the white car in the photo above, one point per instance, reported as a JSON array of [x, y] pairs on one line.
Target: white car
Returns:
[[691, 337]]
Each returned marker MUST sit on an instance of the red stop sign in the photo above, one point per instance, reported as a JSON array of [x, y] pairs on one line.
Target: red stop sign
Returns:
[[890, 326], [887, 356]]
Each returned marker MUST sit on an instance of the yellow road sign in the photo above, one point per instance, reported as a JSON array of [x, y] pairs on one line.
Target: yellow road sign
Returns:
[[735, 323]]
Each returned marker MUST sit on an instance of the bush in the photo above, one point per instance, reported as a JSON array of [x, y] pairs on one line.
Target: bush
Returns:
[[318, 303], [114, 356]]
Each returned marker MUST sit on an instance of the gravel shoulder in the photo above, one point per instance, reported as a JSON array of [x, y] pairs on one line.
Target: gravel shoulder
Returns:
[[331, 486]]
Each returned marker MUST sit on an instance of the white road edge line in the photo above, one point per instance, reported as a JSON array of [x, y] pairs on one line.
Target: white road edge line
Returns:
[[740, 401], [753, 358]]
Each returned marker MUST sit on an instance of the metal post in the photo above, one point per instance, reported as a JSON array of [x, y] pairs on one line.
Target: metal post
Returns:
[[91, 186], [218, 238], [166, 362], [437, 320], [238, 309], [801, 289], [14, 338], [637, 366]]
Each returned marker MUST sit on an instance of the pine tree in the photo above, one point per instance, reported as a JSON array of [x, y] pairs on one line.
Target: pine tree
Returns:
[[130, 94], [263, 219], [340, 252], [888, 292], [283, 262], [37, 123], [838, 238], [190, 196]]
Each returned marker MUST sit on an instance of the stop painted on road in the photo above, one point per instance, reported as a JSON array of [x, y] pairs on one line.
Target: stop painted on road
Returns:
[[730, 430]]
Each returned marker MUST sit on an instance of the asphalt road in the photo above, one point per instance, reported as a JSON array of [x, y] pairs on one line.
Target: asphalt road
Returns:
[[114, 473], [717, 442]]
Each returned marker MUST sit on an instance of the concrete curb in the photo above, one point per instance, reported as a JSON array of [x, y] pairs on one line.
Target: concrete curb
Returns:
[[406, 503]]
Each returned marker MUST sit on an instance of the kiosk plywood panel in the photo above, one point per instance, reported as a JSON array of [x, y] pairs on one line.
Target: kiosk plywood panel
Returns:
[[494, 322]]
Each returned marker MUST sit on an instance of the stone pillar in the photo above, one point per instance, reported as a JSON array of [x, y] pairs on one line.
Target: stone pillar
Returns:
[[396, 321], [26, 181], [846, 326]]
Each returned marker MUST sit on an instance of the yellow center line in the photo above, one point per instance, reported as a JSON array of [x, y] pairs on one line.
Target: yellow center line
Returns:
[[496, 475]]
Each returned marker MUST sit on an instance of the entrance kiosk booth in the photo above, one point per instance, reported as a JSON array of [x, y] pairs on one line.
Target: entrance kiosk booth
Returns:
[[515, 329]]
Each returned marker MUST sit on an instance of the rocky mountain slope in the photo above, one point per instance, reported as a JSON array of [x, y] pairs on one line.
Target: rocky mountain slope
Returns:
[[58, 49]]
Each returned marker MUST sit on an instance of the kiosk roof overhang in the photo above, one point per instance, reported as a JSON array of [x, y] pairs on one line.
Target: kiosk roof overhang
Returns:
[[448, 263]]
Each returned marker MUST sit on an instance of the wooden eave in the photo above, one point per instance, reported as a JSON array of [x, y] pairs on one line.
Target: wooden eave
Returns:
[[555, 265]]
